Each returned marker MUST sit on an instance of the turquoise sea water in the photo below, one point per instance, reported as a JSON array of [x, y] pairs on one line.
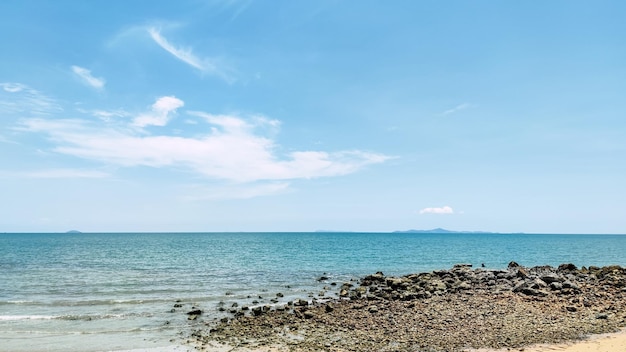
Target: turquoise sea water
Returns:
[[115, 292]]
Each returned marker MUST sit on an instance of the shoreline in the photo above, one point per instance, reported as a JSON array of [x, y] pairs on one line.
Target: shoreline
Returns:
[[461, 309]]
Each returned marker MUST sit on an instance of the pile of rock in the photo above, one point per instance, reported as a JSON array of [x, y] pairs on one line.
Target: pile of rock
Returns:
[[535, 281], [443, 310]]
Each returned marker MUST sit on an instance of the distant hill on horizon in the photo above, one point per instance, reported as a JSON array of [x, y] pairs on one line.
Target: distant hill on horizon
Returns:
[[439, 230]]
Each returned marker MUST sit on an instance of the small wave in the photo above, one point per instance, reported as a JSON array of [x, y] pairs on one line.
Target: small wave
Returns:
[[16, 302], [26, 317]]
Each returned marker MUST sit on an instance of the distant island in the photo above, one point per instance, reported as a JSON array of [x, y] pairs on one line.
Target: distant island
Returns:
[[439, 230], [73, 231]]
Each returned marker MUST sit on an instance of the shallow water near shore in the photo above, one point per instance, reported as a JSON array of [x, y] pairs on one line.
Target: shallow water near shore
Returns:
[[116, 292]]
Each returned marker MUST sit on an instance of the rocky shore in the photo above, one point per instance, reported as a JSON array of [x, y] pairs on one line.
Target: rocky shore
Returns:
[[459, 309]]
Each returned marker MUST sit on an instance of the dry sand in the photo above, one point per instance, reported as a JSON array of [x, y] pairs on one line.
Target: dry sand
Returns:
[[596, 343]]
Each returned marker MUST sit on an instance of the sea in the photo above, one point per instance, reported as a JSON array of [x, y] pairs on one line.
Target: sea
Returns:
[[131, 291]]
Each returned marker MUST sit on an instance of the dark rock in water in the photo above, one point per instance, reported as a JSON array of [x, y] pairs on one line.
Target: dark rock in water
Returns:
[[178, 305], [194, 312], [322, 278], [280, 295]]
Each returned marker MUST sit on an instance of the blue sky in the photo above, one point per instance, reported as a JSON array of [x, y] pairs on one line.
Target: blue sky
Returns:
[[313, 115]]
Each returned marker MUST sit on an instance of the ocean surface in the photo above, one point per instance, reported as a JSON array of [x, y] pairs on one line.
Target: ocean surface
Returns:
[[117, 291]]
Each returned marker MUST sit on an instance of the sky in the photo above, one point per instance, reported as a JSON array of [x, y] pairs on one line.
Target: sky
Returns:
[[189, 115]]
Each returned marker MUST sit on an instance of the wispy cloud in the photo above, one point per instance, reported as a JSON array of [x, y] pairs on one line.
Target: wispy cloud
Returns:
[[443, 210], [86, 76], [237, 149], [20, 99], [186, 55], [457, 108]]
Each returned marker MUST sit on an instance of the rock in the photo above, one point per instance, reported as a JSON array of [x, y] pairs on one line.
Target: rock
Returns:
[[329, 308], [343, 293], [194, 312], [301, 303], [556, 286], [436, 285], [538, 284], [308, 314], [373, 309], [571, 308], [550, 278], [280, 295], [602, 316], [464, 286], [178, 305], [322, 278], [569, 284], [462, 266], [522, 273], [513, 265], [567, 267]]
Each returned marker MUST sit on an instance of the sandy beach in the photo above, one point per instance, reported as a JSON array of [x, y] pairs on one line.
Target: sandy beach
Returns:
[[615, 342]]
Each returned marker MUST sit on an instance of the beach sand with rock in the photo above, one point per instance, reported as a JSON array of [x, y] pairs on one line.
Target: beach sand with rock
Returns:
[[461, 309]]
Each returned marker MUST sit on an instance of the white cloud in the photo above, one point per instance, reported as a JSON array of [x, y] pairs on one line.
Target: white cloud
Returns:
[[443, 210], [235, 149], [186, 55], [160, 113], [86, 76], [457, 109]]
